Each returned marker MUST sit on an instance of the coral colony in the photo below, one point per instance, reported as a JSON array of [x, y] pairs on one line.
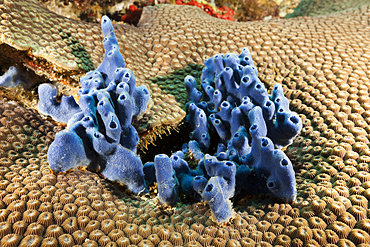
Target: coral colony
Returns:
[[252, 128]]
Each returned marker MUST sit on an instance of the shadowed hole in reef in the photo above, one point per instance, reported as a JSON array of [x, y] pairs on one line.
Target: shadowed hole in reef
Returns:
[[169, 144], [12, 57], [166, 143]]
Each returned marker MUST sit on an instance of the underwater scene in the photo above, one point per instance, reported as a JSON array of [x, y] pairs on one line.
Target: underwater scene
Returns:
[[184, 123]]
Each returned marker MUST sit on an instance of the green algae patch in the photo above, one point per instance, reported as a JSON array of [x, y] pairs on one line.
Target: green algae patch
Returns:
[[78, 51]]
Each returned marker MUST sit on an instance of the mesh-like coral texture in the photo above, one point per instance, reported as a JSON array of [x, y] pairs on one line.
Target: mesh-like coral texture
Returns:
[[323, 63]]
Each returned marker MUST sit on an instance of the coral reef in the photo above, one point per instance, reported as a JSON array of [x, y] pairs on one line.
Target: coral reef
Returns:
[[134, 13], [221, 13], [89, 10], [99, 134], [133, 16], [252, 10], [323, 65]]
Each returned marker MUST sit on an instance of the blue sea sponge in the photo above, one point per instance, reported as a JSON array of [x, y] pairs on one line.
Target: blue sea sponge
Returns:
[[287, 123], [149, 173], [121, 164], [99, 128], [251, 126], [219, 188], [212, 181], [197, 118], [273, 171], [166, 180], [113, 58], [220, 205], [195, 150], [48, 105], [231, 88], [14, 77], [224, 169], [184, 175], [191, 86], [239, 145], [67, 152], [281, 177]]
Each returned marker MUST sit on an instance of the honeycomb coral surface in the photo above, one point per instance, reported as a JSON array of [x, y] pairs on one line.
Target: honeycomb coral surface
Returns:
[[323, 64]]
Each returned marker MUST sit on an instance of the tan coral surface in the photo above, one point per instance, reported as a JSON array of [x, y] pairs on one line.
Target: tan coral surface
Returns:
[[323, 63]]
